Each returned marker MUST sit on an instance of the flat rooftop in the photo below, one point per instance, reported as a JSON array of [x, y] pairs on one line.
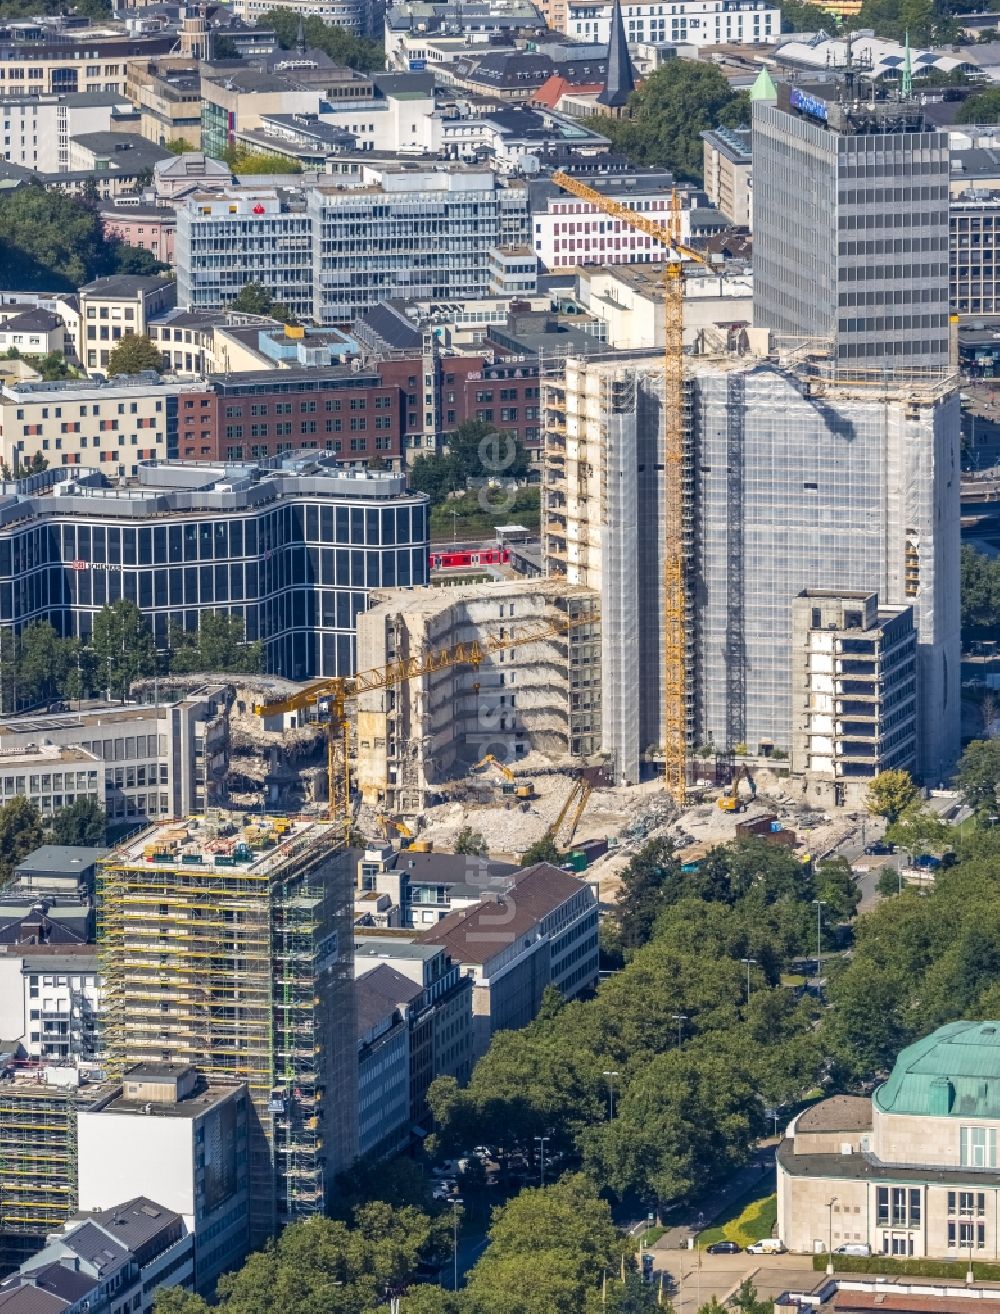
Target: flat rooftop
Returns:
[[42, 755], [377, 946], [430, 600], [253, 846], [205, 1095]]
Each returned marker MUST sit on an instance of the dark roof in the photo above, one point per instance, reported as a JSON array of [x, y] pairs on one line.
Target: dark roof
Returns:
[[125, 285], [392, 326], [32, 321], [138, 1223], [59, 859], [65, 1282], [17, 1297], [923, 1303], [839, 1113], [94, 1245], [620, 81], [471, 871], [865, 1167], [477, 934], [127, 149], [379, 993]]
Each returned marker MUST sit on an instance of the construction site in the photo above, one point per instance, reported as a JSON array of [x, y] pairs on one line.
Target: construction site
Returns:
[[213, 934], [38, 1151]]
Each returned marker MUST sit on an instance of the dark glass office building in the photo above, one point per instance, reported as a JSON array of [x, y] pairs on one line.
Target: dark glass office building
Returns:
[[293, 550]]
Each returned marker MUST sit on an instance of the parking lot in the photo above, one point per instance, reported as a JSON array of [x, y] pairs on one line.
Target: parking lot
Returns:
[[698, 1276]]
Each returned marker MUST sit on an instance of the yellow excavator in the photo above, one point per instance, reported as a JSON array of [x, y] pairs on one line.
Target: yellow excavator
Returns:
[[733, 802], [522, 788], [387, 825]]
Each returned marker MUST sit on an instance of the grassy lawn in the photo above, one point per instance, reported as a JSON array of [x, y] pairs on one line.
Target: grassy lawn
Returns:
[[747, 1219], [651, 1236], [466, 517]]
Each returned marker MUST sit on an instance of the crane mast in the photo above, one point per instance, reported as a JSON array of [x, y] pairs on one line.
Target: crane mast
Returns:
[[338, 690], [676, 471]]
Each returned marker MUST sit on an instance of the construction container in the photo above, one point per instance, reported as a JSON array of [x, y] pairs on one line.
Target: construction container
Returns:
[[577, 861]]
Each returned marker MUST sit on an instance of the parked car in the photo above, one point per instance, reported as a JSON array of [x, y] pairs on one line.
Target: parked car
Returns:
[[767, 1245], [724, 1248], [854, 1248], [879, 847]]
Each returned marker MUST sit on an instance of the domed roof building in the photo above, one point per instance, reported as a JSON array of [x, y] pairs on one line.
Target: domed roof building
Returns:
[[912, 1171]]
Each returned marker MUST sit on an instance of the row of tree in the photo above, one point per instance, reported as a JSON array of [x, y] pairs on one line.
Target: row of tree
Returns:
[[551, 1251], [342, 46], [39, 666], [697, 1054]]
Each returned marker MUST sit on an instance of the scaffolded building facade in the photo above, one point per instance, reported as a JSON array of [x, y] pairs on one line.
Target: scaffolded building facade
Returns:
[[231, 949]]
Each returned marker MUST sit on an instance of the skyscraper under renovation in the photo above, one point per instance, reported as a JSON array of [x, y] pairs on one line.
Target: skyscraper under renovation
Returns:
[[851, 223], [231, 950], [795, 478]]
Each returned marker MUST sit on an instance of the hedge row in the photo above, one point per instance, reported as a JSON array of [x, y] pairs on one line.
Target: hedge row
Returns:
[[955, 1269]]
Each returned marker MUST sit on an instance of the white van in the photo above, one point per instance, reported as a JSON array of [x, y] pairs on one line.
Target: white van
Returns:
[[768, 1245], [855, 1248]]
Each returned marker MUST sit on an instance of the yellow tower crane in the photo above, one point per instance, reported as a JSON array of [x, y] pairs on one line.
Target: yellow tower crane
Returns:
[[674, 584], [338, 690]]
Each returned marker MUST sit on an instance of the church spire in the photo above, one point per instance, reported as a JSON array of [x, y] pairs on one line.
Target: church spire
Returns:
[[300, 36], [906, 87], [620, 81]]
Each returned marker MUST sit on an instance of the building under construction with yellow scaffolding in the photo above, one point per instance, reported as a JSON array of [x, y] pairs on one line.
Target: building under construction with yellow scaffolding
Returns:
[[228, 946], [38, 1161]]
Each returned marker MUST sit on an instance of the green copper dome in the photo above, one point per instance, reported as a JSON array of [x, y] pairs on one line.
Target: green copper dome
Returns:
[[953, 1072]]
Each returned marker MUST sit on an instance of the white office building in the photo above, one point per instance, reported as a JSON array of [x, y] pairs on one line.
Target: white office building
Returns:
[[696, 22]]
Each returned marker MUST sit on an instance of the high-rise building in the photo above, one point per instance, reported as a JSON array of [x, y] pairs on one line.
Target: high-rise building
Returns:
[[38, 1151], [604, 526], [232, 952], [796, 478], [801, 480], [850, 204]]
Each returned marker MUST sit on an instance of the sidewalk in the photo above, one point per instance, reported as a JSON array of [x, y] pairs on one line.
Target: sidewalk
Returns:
[[699, 1215]]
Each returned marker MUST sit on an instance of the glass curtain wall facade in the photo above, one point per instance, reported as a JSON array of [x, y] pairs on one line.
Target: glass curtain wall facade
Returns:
[[297, 570]]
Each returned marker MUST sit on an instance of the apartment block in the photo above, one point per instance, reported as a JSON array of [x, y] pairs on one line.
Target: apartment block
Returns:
[[38, 130], [168, 1127], [112, 307], [52, 777], [261, 992], [383, 997], [693, 22], [291, 549], [726, 170], [851, 226], [854, 699], [167, 94], [109, 427], [38, 1151], [439, 1016], [541, 931], [50, 994], [543, 696]]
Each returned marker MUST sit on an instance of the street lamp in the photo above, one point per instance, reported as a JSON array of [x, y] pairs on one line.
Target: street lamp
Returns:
[[829, 1244], [750, 962], [680, 1019], [456, 1200], [541, 1142], [611, 1093], [820, 905]]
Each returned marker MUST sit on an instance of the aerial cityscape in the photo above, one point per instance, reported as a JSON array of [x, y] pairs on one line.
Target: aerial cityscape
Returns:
[[499, 656]]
